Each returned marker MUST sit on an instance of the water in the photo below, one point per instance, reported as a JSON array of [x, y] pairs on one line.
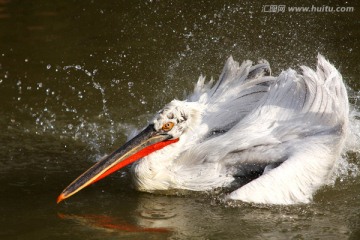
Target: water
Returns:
[[78, 78]]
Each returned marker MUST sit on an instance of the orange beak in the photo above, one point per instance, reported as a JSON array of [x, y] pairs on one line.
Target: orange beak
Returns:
[[140, 146]]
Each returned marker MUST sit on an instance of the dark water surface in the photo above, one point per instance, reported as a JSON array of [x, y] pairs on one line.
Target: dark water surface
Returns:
[[77, 77]]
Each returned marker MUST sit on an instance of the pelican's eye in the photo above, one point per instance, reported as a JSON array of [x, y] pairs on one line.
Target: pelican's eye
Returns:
[[167, 126]]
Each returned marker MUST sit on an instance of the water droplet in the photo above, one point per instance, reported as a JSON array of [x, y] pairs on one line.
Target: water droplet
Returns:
[[88, 73]]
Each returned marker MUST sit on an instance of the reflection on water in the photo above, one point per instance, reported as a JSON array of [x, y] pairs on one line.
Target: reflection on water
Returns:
[[78, 78], [107, 223], [179, 217]]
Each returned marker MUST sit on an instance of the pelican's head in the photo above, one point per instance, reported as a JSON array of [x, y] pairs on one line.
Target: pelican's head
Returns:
[[176, 118], [166, 128]]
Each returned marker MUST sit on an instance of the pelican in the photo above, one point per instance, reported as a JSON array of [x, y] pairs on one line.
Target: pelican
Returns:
[[289, 130]]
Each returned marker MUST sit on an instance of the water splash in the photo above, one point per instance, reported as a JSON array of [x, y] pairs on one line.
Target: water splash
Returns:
[[100, 131], [348, 164], [69, 115], [353, 140]]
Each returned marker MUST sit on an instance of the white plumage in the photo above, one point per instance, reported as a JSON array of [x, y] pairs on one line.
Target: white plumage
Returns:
[[290, 129]]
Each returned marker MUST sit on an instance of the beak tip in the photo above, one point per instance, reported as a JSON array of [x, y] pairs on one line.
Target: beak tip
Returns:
[[60, 198]]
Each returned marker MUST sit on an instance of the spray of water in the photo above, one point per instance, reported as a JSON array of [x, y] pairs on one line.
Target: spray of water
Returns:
[[102, 130], [348, 164]]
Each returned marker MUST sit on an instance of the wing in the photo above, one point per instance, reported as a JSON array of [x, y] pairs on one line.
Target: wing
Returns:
[[310, 114], [234, 95], [296, 107], [299, 122], [295, 180]]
